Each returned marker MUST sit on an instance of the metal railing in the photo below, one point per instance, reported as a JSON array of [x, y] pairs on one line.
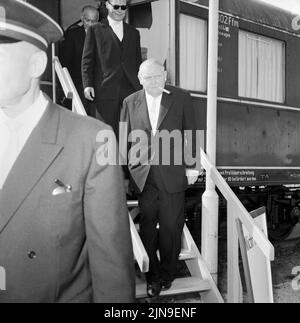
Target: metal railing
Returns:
[[236, 210], [67, 86]]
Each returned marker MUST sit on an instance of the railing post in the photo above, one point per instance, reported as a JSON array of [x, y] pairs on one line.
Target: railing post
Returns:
[[210, 220], [210, 200], [234, 287]]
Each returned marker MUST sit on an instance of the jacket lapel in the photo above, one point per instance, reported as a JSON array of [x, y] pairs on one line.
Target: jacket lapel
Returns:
[[139, 170], [142, 112], [166, 103], [125, 41], [38, 154]]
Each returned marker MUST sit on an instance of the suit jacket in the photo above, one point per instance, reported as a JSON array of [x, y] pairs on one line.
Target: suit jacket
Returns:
[[176, 114], [72, 247], [71, 52], [106, 60]]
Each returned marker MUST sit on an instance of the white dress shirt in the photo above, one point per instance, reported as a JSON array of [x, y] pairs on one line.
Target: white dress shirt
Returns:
[[117, 27], [14, 133], [153, 105]]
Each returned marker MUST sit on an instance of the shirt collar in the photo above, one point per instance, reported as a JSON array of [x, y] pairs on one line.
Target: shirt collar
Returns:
[[3, 117], [152, 98], [30, 116]]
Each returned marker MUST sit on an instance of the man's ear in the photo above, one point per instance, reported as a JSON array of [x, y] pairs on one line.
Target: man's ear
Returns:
[[140, 79], [38, 64]]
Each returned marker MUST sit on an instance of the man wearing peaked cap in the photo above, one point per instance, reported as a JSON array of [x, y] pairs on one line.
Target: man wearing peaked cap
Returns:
[[64, 231]]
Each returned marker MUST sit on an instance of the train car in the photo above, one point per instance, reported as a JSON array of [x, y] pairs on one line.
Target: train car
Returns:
[[258, 133]]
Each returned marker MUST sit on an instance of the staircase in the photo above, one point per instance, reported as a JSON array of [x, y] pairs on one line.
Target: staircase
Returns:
[[200, 280]]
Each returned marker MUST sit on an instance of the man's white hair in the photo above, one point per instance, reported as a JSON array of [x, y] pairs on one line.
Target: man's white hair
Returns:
[[149, 63]]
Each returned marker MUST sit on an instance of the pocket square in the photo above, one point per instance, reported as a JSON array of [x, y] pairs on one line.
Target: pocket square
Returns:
[[59, 191], [62, 188]]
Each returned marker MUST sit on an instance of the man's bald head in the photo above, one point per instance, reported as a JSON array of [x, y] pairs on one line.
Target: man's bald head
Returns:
[[89, 16], [150, 64], [152, 76]]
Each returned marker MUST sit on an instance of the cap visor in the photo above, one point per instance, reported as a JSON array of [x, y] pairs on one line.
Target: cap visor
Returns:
[[7, 40]]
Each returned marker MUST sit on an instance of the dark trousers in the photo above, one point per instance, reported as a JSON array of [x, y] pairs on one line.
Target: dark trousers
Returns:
[[109, 111], [160, 207]]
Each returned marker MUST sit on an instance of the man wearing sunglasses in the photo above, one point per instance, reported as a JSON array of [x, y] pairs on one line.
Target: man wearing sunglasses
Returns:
[[110, 63]]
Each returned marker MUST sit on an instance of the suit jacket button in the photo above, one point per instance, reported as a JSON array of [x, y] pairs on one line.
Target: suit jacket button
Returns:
[[31, 255]]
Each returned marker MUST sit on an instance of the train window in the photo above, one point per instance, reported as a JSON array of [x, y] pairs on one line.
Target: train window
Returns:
[[261, 67], [193, 53]]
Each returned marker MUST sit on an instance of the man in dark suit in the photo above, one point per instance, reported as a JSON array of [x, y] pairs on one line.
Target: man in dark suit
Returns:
[[110, 62], [64, 229], [102, 9], [72, 48], [158, 168]]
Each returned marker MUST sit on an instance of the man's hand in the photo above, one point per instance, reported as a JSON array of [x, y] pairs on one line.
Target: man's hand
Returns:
[[192, 176], [89, 93]]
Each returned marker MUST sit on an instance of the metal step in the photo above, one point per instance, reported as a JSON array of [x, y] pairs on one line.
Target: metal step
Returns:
[[179, 286], [185, 255]]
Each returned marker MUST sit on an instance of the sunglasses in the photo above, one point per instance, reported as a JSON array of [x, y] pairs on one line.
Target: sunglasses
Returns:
[[117, 7]]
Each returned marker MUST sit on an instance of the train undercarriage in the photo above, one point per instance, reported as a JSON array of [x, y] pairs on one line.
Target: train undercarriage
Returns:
[[282, 206]]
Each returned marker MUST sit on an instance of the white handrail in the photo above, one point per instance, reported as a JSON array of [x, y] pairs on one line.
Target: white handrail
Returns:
[[236, 210], [139, 251], [263, 243], [77, 104], [68, 87]]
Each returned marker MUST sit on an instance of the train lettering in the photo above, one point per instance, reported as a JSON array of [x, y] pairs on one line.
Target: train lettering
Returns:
[[227, 20]]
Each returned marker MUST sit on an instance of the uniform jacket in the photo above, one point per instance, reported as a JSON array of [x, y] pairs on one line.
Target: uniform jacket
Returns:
[[176, 113], [105, 59], [71, 247]]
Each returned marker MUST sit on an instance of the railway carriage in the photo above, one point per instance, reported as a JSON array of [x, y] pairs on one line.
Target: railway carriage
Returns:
[[258, 133]]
